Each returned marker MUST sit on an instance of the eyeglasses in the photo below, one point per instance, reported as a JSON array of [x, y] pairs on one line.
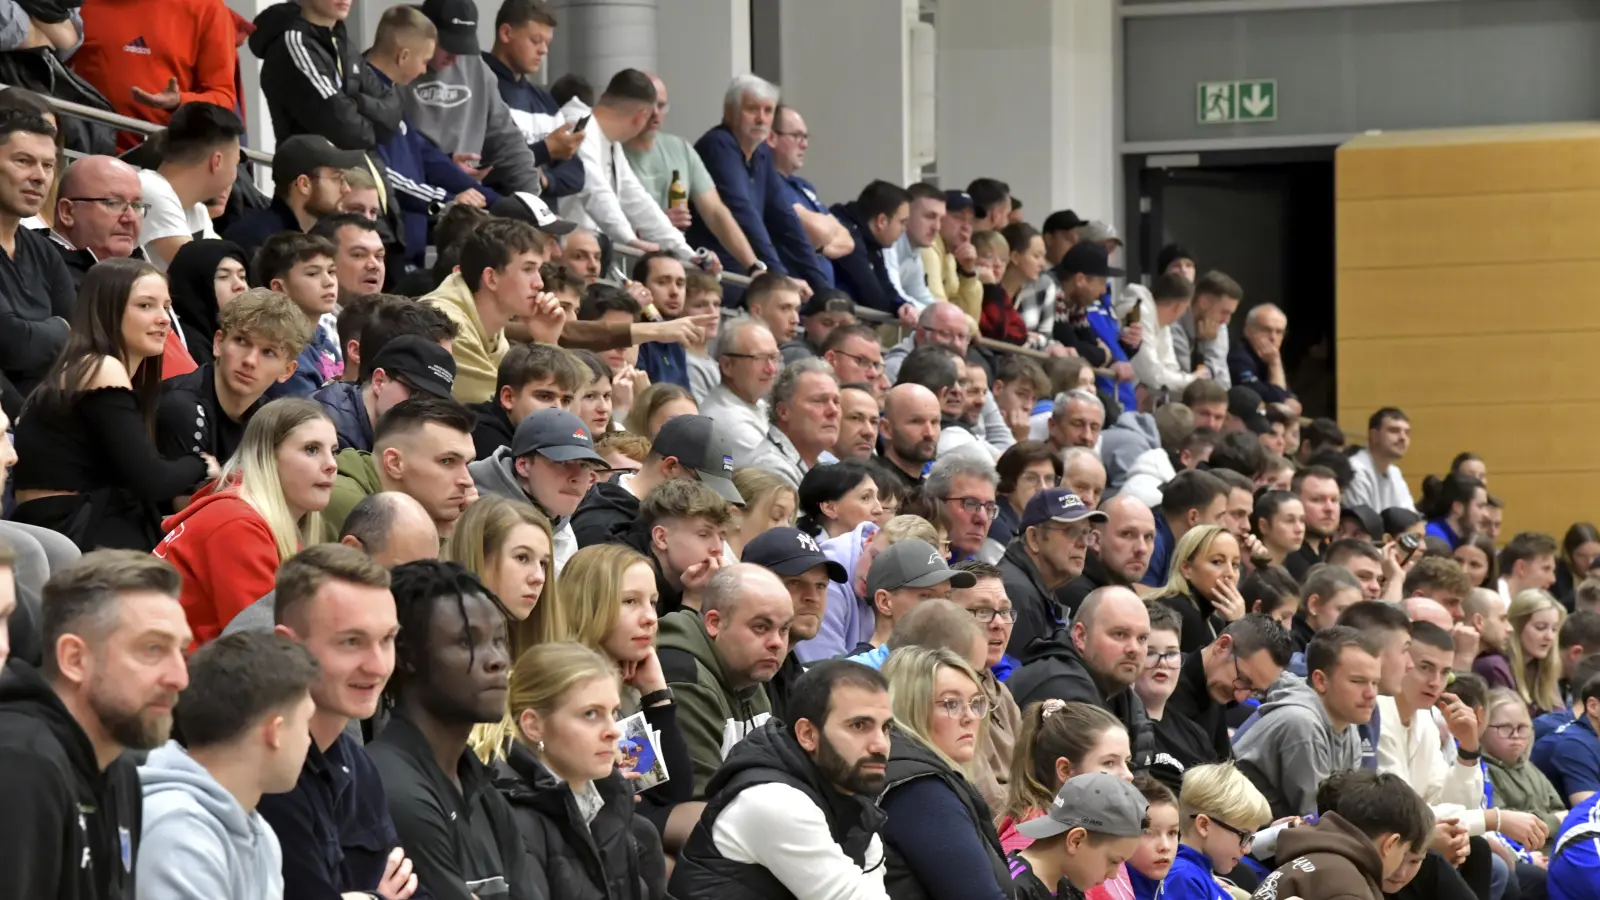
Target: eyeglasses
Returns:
[[972, 505], [979, 707], [772, 358], [1154, 657], [1245, 838], [986, 615], [799, 136], [1078, 534], [1509, 731], [1037, 479], [873, 366], [115, 205]]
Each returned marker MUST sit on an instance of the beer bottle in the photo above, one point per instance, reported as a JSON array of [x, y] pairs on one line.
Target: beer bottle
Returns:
[[677, 194]]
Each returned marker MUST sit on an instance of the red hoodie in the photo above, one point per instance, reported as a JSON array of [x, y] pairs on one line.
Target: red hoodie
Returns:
[[227, 556]]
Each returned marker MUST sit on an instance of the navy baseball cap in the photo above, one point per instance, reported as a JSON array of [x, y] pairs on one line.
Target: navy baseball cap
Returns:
[[1058, 505], [956, 201], [788, 552]]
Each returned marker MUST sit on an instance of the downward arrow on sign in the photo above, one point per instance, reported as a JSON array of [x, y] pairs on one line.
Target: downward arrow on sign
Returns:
[[1255, 103]]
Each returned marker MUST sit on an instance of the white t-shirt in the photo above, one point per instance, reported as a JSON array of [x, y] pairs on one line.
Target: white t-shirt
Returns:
[[167, 217]]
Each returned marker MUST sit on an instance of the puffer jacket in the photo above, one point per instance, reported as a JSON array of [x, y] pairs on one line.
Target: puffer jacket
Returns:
[[911, 761], [341, 400]]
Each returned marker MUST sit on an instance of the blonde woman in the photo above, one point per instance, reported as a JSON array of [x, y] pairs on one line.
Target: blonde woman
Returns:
[[570, 801], [939, 840], [769, 502], [655, 405], [847, 620], [266, 505], [1536, 619], [508, 546], [1203, 585]]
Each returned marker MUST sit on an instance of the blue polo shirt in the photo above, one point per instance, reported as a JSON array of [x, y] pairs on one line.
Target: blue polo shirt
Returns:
[[1570, 758], [1575, 866], [1190, 878], [334, 826]]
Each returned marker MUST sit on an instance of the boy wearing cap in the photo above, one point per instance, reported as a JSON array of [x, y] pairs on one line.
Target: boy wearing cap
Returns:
[[794, 556], [420, 447], [259, 334], [531, 377], [1094, 825], [549, 463], [409, 364], [903, 576], [308, 183], [302, 267], [680, 531], [1219, 810], [1050, 550], [691, 447]]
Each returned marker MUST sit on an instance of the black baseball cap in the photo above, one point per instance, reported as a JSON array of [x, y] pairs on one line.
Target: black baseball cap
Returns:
[[1245, 404], [828, 300], [697, 443], [419, 363], [304, 154], [1062, 220], [457, 23], [1086, 258], [556, 435], [788, 552], [1370, 521], [533, 210]]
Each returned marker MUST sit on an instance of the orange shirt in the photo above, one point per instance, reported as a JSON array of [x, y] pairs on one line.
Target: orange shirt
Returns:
[[146, 43]]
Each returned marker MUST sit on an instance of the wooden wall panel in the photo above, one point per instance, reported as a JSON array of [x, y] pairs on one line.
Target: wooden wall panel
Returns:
[[1469, 296]]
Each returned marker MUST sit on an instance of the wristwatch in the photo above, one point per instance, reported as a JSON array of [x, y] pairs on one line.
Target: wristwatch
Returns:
[[655, 697]]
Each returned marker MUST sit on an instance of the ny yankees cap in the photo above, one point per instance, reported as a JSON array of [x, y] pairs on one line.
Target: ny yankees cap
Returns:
[[697, 443], [915, 564], [556, 435], [788, 552]]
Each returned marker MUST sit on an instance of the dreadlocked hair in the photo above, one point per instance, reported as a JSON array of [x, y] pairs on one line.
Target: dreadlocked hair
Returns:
[[417, 586]]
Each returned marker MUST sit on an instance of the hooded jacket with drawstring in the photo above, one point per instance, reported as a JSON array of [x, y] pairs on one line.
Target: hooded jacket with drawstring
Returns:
[[316, 83], [847, 620], [493, 429], [227, 556], [1052, 669], [1292, 747], [714, 716], [477, 353], [1330, 860], [498, 475], [199, 843]]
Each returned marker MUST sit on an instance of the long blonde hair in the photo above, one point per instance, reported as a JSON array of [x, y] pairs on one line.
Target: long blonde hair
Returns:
[[479, 536], [1195, 541], [253, 471], [912, 672], [593, 579], [540, 678], [1544, 691]]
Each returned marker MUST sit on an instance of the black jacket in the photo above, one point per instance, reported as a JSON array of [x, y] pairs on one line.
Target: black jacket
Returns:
[[190, 420], [669, 599], [494, 429], [1038, 616], [862, 273], [1201, 624], [76, 834], [910, 760], [1301, 632], [1053, 670], [568, 857], [1070, 596], [769, 754], [605, 514], [1180, 744], [315, 82], [781, 687], [1191, 699]]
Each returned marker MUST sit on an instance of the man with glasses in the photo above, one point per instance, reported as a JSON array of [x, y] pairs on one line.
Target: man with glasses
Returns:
[[98, 214], [1052, 543], [857, 357], [308, 183], [964, 486], [1243, 661], [789, 140], [747, 355]]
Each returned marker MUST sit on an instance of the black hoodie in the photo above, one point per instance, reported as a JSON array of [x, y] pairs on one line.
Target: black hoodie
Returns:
[[669, 599], [493, 430], [1053, 670], [606, 513], [74, 833], [316, 83]]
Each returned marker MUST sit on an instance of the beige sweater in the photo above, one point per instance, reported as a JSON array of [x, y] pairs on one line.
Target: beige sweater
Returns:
[[991, 769]]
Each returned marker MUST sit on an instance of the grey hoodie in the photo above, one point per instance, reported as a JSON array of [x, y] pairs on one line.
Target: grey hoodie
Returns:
[[1293, 746], [498, 475], [461, 110], [198, 843]]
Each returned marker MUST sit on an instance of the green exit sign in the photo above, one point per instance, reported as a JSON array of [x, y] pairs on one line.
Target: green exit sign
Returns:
[[1228, 102]]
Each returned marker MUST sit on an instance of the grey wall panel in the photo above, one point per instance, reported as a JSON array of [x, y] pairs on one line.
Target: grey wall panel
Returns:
[[1432, 65]]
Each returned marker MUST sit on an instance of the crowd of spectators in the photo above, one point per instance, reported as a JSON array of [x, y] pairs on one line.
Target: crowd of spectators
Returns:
[[448, 523]]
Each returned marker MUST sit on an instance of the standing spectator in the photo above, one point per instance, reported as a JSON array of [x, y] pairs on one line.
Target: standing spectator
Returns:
[[1258, 362], [804, 420], [749, 359], [1036, 300], [1156, 365], [789, 141], [1200, 336], [149, 57], [313, 79], [922, 229], [456, 103], [522, 33], [246, 725], [204, 276], [741, 165], [951, 261], [1378, 483], [308, 183], [657, 157], [991, 199], [199, 163], [876, 220], [36, 285], [114, 639]]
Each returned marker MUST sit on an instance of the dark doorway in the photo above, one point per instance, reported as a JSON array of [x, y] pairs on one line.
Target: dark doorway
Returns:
[[1267, 219]]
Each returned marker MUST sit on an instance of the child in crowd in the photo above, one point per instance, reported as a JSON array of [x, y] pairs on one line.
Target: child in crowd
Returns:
[[1095, 823], [1220, 812], [1159, 844], [1514, 782], [1272, 591], [302, 266]]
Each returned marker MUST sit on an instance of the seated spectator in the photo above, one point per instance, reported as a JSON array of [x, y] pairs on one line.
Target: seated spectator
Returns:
[[361, 261], [1370, 567], [1025, 469], [98, 211], [1220, 809], [258, 336], [1307, 731], [680, 530], [313, 80], [531, 377], [1483, 612], [1245, 660], [662, 274], [1272, 592], [1042, 559], [580, 252], [903, 575], [300, 266], [775, 302], [1536, 619], [988, 604], [497, 280], [1096, 660], [1191, 499], [307, 183], [1121, 555], [1018, 385], [770, 502], [1378, 483], [406, 366], [804, 412], [876, 219], [552, 690], [718, 660], [849, 620], [859, 420], [1580, 546], [228, 544], [939, 837], [794, 557], [549, 463], [1156, 365], [835, 499], [1076, 421], [113, 666], [1002, 318], [740, 162], [522, 33], [38, 285], [688, 447], [205, 276], [1371, 819], [1180, 743], [655, 406], [88, 466], [1084, 474], [611, 200], [1279, 521], [703, 300], [1456, 506], [747, 354], [362, 199], [1319, 492], [1574, 862], [963, 486], [420, 447], [1257, 362], [1327, 592], [1200, 336], [1527, 563], [1095, 821], [922, 229], [508, 546], [374, 323], [1059, 741], [199, 163], [1570, 755], [1517, 784], [951, 261]]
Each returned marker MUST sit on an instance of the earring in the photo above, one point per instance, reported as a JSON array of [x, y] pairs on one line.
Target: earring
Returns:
[[541, 748]]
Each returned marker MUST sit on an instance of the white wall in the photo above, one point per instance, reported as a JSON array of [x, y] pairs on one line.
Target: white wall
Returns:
[[700, 46]]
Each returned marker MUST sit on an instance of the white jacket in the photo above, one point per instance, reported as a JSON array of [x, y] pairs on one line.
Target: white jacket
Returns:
[[612, 200], [1150, 470], [1155, 365], [1451, 789], [778, 828]]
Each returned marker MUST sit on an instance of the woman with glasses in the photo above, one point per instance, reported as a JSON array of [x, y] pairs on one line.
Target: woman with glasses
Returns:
[[986, 600], [939, 841], [1025, 469], [1220, 812], [1514, 782], [835, 499], [1203, 585], [1180, 742]]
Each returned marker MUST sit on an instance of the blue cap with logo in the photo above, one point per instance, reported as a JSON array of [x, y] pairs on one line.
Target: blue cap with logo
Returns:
[[1058, 505]]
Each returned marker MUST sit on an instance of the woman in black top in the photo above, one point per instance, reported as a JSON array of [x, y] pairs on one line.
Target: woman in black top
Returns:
[[1203, 584], [88, 466], [204, 275]]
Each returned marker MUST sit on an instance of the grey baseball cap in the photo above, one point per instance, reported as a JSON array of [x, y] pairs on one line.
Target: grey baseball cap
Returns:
[[697, 443], [1100, 803], [556, 435], [914, 564]]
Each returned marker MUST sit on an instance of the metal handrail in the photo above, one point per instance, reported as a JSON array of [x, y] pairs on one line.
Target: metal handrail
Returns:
[[139, 126]]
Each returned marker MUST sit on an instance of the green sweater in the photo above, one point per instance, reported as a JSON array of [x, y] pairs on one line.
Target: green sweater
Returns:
[[358, 477], [713, 715], [1521, 787]]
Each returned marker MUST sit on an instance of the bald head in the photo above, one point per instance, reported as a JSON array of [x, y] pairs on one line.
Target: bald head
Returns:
[[91, 225], [1127, 538], [392, 528], [1109, 633], [1422, 609], [905, 397], [943, 323], [1107, 600], [85, 177], [734, 585], [747, 613]]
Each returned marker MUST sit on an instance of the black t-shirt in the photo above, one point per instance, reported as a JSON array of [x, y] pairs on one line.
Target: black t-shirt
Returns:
[[36, 301], [1029, 887]]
